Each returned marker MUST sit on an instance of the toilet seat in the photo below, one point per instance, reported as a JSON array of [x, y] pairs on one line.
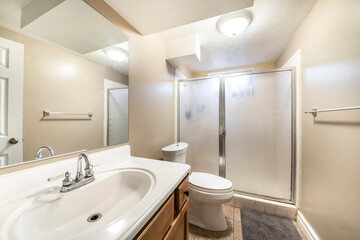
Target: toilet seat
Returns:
[[209, 191], [209, 183]]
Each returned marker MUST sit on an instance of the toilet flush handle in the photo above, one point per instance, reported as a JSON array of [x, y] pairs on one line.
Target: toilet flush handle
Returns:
[[186, 193]]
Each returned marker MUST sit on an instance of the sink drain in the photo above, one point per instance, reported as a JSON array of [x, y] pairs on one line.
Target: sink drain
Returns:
[[94, 217]]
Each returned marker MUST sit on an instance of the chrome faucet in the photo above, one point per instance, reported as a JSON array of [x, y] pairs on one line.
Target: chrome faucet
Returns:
[[88, 167], [38, 154], [69, 183]]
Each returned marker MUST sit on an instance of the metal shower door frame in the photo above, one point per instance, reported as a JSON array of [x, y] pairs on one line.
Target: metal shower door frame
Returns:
[[222, 127]]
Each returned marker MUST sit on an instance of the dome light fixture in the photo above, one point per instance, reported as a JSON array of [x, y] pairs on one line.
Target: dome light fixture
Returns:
[[116, 54], [234, 24]]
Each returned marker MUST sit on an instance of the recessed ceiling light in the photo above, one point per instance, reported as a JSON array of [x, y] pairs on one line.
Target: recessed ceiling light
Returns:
[[116, 54], [234, 24]]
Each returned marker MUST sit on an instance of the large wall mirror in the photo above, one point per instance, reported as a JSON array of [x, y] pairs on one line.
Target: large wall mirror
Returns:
[[63, 80]]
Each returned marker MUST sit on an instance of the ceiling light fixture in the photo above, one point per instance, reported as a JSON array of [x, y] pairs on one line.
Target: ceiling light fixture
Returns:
[[234, 24], [116, 54]]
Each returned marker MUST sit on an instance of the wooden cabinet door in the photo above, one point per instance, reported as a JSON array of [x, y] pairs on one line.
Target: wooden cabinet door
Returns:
[[180, 227], [163, 225], [160, 224]]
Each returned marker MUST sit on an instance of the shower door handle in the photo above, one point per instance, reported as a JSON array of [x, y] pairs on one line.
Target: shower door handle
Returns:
[[223, 133]]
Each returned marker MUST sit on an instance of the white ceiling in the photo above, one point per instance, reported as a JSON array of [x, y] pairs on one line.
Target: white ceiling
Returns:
[[100, 56], [272, 26], [274, 21], [152, 16]]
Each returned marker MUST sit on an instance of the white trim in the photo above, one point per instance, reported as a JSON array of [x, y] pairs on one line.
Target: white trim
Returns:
[[306, 227]]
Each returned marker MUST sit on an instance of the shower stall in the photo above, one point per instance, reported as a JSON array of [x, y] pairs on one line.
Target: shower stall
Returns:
[[241, 127]]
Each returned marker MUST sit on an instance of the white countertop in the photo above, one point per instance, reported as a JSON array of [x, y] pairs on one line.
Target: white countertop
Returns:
[[17, 188]]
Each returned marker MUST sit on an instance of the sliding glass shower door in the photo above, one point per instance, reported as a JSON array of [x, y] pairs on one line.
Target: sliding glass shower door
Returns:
[[241, 127], [199, 123], [259, 133]]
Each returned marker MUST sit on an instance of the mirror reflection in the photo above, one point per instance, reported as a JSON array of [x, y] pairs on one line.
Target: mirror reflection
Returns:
[[63, 80]]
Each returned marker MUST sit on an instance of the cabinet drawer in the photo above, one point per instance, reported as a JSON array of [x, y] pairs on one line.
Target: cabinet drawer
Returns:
[[160, 224], [181, 194]]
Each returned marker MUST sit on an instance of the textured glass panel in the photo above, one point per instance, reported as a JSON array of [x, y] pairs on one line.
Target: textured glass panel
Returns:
[[258, 141], [3, 160], [118, 116], [199, 123], [3, 106]]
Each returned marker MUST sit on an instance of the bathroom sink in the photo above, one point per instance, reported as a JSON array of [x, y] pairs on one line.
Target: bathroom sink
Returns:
[[126, 193], [50, 214]]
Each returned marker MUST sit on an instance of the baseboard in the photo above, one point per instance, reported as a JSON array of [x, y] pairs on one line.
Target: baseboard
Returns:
[[306, 227]]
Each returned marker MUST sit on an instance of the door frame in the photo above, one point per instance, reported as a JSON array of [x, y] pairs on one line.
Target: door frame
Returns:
[[222, 127]]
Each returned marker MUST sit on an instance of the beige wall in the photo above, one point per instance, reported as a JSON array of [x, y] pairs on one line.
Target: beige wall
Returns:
[[58, 80], [330, 183], [256, 67], [151, 97], [151, 83]]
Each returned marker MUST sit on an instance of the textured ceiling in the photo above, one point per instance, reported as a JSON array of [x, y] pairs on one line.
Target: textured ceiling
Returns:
[[76, 26], [272, 26], [152, 16], [71, 24]]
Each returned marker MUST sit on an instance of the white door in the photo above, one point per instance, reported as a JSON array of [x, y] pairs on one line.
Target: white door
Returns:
[[11, 101]]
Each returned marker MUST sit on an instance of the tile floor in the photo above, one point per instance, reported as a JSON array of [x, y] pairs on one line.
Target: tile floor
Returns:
[[234, 231]]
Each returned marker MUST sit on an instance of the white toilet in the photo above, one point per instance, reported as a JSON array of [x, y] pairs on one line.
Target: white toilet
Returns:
[[207, 192]]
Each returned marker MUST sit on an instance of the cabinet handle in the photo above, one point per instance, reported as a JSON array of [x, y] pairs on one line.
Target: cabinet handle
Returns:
[[186, 192]]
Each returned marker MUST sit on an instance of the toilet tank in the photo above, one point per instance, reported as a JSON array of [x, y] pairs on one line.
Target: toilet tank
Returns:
[[175, 152]]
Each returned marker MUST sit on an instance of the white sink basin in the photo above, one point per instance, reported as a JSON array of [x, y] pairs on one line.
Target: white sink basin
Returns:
[[54, 215]]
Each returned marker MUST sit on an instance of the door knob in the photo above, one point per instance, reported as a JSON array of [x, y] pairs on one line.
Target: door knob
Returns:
[[13, 140]]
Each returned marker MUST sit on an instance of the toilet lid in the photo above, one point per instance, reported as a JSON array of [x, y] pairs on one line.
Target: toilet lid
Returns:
[[209, 181], [175, 147]]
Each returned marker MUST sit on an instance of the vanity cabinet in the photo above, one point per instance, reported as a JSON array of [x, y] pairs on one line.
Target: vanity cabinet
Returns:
[[171, 221]]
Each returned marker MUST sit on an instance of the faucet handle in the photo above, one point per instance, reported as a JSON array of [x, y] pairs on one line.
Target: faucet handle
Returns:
[[88, 171], [79, 176], [68, 180]]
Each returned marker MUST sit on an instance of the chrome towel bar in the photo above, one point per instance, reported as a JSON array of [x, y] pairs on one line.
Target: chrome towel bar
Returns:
[[48, 113], [314, 111]]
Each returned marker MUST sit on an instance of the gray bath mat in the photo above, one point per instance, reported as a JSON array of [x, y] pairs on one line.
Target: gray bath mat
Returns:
[[259, 226]]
